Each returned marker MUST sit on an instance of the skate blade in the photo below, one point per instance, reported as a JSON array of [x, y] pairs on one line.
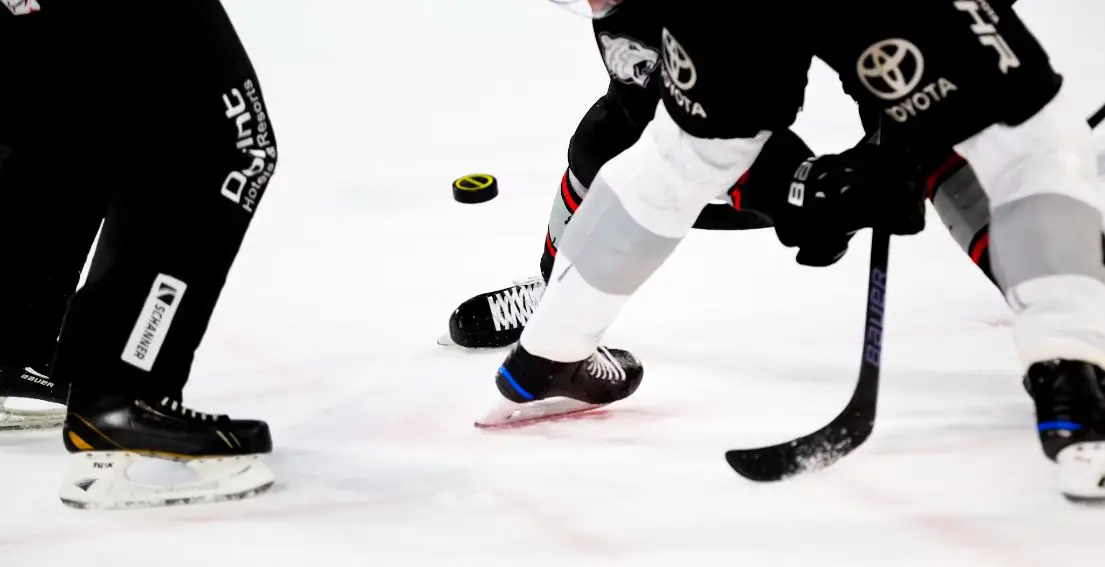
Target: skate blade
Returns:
[[15, 419], [1082, 472], [101, 480], [447, 341], [510, 414]]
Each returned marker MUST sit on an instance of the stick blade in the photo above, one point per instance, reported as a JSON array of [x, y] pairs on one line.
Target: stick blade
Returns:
[[815, 451], [849, 429]]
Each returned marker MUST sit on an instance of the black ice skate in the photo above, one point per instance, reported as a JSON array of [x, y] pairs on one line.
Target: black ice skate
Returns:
[[539, 389], [222, 454], [25, 383], [1070, 415], [494, 319]]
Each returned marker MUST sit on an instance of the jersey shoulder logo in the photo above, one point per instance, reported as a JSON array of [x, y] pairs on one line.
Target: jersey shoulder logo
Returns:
[[628, 60]]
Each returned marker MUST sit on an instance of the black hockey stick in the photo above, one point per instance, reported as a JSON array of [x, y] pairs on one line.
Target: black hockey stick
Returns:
[[854, 425], [1097, 117]]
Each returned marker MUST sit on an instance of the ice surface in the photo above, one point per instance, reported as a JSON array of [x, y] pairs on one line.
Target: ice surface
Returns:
[[358, 254]]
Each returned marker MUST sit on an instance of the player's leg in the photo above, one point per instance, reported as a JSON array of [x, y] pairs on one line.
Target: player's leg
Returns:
[[179, 207], [964, 73], [705, 135], [959, 200], [964, 208], [628, 44], [497, 318], [1046, 251], [48, 222], [610, 126]]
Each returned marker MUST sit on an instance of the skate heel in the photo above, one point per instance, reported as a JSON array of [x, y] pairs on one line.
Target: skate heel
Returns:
[[103, 480], [1082, 472]]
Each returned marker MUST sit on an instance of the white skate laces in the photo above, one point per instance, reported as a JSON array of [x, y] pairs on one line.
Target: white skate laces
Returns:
[[513, 307], [178, 408], [508, 311], [602, 366]]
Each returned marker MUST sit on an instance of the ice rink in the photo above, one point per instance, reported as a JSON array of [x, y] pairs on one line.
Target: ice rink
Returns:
[[358, 254]]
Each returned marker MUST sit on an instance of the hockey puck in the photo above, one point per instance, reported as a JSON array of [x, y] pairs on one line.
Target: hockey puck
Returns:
[[475, 188]]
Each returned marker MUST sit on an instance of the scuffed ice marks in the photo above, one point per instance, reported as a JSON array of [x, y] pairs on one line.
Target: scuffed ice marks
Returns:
[[812, 457]]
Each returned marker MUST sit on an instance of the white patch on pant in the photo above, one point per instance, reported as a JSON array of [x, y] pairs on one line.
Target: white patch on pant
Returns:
[[153, 322]]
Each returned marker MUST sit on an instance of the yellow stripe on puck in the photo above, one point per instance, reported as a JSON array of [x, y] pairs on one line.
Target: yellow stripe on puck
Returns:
[[475, 188], [475, 182]]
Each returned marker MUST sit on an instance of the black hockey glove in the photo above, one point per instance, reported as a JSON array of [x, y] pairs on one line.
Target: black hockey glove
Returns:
[[831, 197]]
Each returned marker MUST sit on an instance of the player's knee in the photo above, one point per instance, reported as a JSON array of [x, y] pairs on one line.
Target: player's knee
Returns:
[[666, 179], [704, 165], [611, 125], [1052, 152]]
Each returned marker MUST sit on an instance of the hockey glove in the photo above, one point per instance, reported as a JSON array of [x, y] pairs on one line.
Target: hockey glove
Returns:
[[832, 197]]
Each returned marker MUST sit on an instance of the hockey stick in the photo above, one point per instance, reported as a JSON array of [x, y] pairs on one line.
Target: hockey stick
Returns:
[[848, 430], [1097, 117], [854, 425]]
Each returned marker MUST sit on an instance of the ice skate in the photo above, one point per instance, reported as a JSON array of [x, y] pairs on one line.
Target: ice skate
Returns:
[[1070, 412], [221, 454], [537, 389], [30, 400], [494, 319]]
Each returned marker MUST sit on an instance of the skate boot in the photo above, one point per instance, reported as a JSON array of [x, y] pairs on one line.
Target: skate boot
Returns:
[[222, 454], [538, 389], [494, 319], [46, 408], [1070, 415]]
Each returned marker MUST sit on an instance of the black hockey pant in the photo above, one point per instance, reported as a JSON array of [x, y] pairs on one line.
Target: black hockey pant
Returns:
[[147, 116]]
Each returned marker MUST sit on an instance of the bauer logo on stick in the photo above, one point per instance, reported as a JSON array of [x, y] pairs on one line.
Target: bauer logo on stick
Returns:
[[475, 188]]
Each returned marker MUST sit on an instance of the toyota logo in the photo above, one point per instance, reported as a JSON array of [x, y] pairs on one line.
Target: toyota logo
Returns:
[[678, 65], [891, 68]]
